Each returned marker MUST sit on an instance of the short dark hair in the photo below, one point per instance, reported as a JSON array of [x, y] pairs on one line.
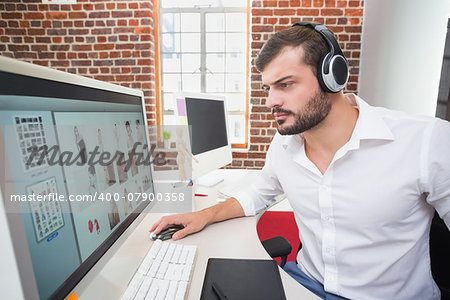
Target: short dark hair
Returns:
[[313, 44]]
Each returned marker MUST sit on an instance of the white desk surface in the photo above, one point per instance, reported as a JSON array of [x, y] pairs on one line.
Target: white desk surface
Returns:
[[235, 238]]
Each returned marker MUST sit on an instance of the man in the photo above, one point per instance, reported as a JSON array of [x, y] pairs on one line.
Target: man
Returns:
[[363, 182]]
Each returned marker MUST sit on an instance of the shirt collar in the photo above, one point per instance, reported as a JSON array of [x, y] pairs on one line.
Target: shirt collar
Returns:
[[370, 125]]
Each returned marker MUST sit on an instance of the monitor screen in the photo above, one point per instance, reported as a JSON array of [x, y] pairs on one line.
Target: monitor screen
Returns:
[[69, 150], [208, 125], [206, 117]]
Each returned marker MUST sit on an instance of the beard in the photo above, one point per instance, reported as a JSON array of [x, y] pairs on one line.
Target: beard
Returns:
[[315, 110]]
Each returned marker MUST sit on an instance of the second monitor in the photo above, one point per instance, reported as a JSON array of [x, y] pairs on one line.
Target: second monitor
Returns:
[[206, 116]]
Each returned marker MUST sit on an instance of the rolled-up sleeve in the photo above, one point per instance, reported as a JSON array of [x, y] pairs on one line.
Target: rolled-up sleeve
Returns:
[[437, 169]]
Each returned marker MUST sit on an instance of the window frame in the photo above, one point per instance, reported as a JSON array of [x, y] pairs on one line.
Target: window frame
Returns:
[[158, 69]]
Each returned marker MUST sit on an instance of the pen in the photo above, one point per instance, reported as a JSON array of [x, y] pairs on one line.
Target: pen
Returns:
[[201, 195], [219, 293]]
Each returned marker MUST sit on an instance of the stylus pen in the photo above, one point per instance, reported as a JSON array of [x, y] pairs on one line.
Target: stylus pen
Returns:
[[201, 195], [219, 293]]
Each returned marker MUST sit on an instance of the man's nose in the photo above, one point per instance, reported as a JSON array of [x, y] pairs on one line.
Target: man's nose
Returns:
[[273, 99]]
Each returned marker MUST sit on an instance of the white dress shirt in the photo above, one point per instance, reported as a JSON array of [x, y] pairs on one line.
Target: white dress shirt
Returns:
[[365, 223]]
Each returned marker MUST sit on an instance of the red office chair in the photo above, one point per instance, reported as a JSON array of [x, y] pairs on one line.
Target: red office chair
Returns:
[[282, 225]]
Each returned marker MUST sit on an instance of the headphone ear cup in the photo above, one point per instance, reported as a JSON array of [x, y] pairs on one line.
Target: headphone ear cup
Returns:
[[321, 73], [339, 69], [334, 73]]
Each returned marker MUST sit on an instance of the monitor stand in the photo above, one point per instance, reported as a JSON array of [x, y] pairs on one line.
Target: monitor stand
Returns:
[[210, 179]]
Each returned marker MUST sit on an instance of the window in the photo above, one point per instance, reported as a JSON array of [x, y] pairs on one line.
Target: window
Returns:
[[203, 49]]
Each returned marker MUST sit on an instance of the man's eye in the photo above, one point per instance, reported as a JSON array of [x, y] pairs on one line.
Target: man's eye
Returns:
[[285, 84], [266, 88]]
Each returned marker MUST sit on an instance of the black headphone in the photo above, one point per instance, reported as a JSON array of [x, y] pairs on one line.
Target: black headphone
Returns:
[[332, 71]]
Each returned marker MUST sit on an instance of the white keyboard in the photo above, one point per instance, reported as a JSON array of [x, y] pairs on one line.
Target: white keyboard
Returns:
[[164, 273]]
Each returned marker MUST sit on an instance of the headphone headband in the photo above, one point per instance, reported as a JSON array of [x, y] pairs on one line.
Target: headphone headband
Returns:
[[333, 68]]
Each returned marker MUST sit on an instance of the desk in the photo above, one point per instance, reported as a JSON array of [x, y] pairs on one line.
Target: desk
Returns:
[[235, 238]]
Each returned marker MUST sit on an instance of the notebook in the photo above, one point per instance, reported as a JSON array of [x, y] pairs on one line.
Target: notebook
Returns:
[[242, 279]]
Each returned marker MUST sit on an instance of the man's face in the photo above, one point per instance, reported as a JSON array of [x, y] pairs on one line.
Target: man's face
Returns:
[[294, 95]]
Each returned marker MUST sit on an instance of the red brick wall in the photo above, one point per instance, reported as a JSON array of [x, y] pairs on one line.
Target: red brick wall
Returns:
[[113, 41], [344, 18], [108, 40]]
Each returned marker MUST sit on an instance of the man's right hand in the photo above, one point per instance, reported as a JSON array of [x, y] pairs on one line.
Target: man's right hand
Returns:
[[192, 222], [196, 221]]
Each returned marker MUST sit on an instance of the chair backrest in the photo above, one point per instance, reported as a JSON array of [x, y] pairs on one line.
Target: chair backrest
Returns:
[[440, 255]]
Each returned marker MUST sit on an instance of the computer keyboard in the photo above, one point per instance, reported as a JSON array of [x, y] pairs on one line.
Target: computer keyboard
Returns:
[[164, 273]]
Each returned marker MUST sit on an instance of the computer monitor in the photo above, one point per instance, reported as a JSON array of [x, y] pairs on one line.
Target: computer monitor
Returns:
[[70, 175], [206, 116]]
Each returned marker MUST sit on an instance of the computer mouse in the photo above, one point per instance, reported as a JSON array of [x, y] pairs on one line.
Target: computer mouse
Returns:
[[167, 232]]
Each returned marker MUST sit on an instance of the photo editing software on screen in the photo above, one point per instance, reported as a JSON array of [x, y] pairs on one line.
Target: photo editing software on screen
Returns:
[[52, 192]]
